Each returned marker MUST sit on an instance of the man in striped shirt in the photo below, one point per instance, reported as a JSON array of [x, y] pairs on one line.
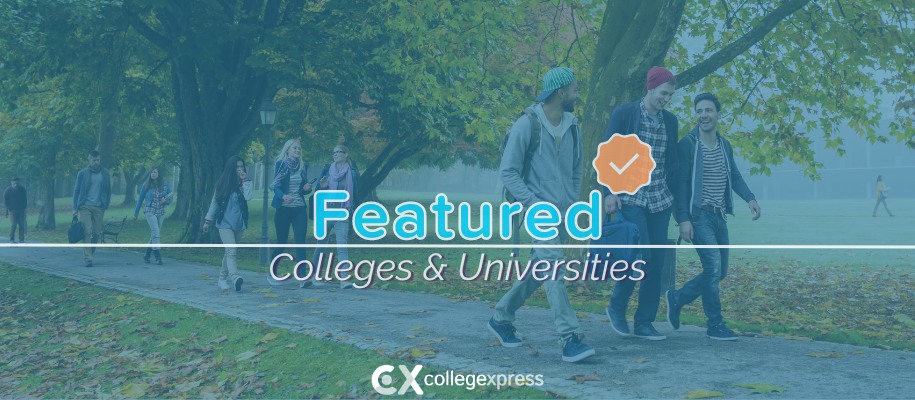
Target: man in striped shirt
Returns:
[[707, 176]]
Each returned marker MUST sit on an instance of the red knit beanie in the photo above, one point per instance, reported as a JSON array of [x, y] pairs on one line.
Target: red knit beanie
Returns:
[[658, 76]]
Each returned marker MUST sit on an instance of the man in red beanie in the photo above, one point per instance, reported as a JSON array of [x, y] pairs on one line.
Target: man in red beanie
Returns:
[[650, 208]]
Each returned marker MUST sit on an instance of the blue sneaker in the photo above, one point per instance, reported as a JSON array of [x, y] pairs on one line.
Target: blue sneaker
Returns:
[[673, 310], [504, 332], [618, 322], [721, 332], [574, 350]]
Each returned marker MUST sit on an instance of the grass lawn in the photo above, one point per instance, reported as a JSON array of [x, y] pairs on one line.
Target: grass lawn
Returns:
[[850, 296], [62, 338]]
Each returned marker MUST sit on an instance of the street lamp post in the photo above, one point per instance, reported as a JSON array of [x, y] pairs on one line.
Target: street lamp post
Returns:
[[268, 117]]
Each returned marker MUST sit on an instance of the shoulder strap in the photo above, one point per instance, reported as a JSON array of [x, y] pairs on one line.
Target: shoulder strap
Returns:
[[532, 145]]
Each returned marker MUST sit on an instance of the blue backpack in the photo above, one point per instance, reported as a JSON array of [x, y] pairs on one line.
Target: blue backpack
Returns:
[[616, 232]]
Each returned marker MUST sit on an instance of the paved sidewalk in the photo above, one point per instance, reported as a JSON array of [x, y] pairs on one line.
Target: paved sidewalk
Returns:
[[686, 361]]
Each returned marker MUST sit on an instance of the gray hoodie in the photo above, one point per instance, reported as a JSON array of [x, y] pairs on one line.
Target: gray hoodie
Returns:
[[555, 175]]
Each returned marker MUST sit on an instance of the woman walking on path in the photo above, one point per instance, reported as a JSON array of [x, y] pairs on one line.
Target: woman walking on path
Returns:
[[154, 196], [340, 175], [881, 198], [289, 189], [229, 208]]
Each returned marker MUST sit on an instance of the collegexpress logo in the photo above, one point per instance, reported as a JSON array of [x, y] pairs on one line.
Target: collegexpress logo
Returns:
[[386, 380], [381, 381]]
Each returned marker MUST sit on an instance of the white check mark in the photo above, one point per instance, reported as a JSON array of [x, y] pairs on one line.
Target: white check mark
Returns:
[[620, 170]]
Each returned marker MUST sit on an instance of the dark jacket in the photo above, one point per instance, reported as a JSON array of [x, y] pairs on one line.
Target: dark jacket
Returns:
[[283, 187], [146, 197], [690, 184], [326, 171], [14, 199], [82, 188], [625, 120]]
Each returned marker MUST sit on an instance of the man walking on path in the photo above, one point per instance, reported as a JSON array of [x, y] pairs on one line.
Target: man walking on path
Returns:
[[650, 208], [91, 197], [708, 174], [540, 167], [14, 199]]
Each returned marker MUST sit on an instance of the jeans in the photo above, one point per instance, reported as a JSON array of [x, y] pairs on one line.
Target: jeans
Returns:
[[229, 265], [17, 217], [93, 218], [556, 294], [652, 231], [341, 228], [297, 217], [155, 228], [708, 229]]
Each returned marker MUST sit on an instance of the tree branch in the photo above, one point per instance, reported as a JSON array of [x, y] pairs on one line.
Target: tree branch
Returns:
[[149, 33], [741, 45]]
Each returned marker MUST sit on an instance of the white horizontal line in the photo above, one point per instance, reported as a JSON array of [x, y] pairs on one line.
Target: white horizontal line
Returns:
[[480, 246]]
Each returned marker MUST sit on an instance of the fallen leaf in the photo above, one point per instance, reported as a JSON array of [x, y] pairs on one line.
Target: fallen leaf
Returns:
[[370, 325], [206, 277], [827, 355], [246, 355], [219, 339], [881, 346], [133, 390], [311, 300], [579, 379], [304, 385], [320, 377], [701, 394], [271, 295], [796, 337], [582, 315], [496, 343], [358, 299], [857, 352], [291, 345], [166, 324], [557, 395], [422, 352], [416, 328], [432, 340], [761, 388], [268, 337], [641, 360], [536, 353], [412, 312]]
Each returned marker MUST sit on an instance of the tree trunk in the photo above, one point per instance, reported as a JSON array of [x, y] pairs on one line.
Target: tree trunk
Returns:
[[107, 126], [182, 202], [46, 220], [130, 191]]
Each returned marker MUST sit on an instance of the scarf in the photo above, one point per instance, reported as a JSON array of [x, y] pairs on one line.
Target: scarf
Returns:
[[286, 168], [337, 176]]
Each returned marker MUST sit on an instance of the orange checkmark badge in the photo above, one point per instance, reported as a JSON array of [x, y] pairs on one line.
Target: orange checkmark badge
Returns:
[[624, 164]]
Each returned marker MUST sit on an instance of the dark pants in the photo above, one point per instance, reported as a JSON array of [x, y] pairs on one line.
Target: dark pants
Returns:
[[17, 217], [652, 231], [297, 217], [708, 229]]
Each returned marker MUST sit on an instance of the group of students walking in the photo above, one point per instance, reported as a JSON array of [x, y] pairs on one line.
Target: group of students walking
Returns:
[[229, 207], [693, 181]]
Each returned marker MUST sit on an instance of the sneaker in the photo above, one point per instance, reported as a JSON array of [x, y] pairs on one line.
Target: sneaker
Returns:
[[618, 323], [346, 285], [574, 350], [504, 332], [272, 281], [647, 331], [89, 264], [223, 284], [673, 310], [12, 241], [721, 332], [306, 284], [238, 281]]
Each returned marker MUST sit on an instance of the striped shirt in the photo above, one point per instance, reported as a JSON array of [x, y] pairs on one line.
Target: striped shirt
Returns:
[[714, 175], [656, 196]]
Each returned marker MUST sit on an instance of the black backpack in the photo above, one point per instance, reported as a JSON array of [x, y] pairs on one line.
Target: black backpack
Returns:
[[536, 134]]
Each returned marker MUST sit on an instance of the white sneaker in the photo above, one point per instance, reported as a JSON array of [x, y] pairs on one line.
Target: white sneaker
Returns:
[[346, 285], [273, 282], [224, 285]]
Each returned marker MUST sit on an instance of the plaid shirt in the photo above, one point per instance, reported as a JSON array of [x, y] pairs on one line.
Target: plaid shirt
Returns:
[[156, 206], [656, 196]]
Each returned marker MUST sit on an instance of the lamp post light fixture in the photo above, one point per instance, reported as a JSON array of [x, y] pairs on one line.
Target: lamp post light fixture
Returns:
[[268, 117]]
